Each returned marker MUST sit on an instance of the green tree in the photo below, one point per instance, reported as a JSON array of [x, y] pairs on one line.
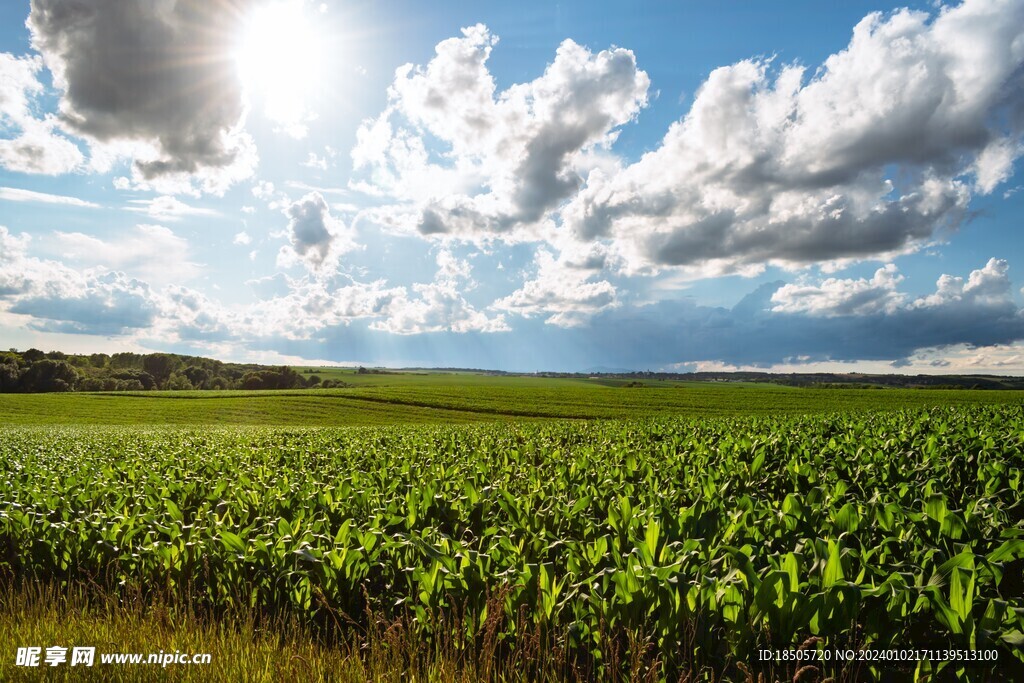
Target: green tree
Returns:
[[160, 366], [33, 355], [49, 375], [177, 382], [10, 375], [197, 376]]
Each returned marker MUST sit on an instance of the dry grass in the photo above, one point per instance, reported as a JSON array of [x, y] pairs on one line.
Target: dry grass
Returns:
[[252, 648]]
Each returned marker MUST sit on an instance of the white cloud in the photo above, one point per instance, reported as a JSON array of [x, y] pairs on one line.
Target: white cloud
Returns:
[[13, 278], [561, 290], [321, 163], [315, 162], [61, 299], [316, 238], [986, 287], [97, 300], [313, 304], [306, 187], [18, 85], [439, 306], [510, 157], [769, 167], [15, 194], [842, 297], [36, 148], [150, 251], [263, 190], [242, 238], [167, 208]]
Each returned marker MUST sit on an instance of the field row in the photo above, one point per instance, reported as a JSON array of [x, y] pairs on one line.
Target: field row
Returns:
[[710, 538], [432, 400]]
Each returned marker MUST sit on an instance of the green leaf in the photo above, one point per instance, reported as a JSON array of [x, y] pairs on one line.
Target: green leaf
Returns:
[[173, 511], [580, 505], [834, 566], [232, 542], [1010, 550]]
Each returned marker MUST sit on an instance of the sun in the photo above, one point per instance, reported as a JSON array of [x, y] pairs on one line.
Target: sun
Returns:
[[280, 57]]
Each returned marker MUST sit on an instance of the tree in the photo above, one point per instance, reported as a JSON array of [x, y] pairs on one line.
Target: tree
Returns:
[[177, 382], [252, 380], [49, 375], [160, 366], [125, 360], [91, 384], [10, 374], [197, 376], [144, 380], [33, 355]]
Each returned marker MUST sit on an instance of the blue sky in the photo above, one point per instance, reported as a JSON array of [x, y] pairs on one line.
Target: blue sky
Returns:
[[654, 185]]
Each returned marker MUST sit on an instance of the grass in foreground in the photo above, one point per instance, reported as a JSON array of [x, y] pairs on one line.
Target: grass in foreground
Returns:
[[248, 646]]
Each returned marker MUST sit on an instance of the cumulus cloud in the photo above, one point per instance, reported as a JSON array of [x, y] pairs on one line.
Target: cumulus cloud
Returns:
[[316, 238], [989, 285], [511, 157], [439, 306], [769, 166], [682, 333], [158, 75], [874, 154], [62, 299], [103, 304], [99, 300], [836, 296], [36, 147], [314, 304], [13, 249], [150, 251], [830, 325], [321, 163], [973, 317], [562, 291], [242, 238]]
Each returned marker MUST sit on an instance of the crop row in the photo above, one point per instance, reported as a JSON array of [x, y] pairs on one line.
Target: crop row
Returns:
[[712, 538]]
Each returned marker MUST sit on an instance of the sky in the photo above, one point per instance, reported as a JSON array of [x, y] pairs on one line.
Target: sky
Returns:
[[533, 186]]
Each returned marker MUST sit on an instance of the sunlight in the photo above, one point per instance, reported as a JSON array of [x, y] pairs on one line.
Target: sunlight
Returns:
[[280, 57]]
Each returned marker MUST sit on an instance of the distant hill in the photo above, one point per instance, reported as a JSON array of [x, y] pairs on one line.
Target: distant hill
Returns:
[[823, 379], [34, 371]]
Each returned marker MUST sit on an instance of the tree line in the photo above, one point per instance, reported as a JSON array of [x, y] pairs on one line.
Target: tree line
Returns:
[[34, 371]]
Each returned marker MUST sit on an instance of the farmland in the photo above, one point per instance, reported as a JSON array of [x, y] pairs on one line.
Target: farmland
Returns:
[[714, 522], [463, 398]]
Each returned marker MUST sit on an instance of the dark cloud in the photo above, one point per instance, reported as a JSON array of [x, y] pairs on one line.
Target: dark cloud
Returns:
[[683, 332], [158, 72], [109, 304], [315, 236]]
